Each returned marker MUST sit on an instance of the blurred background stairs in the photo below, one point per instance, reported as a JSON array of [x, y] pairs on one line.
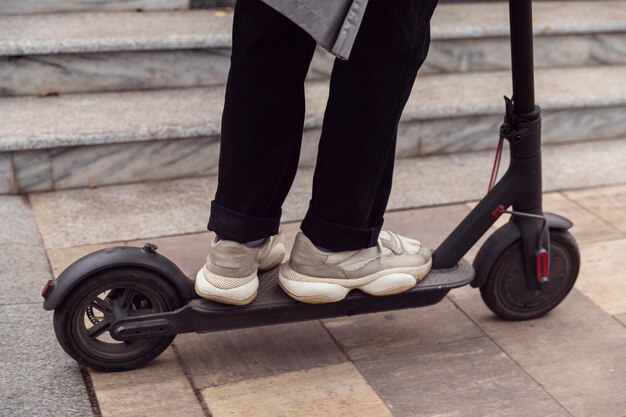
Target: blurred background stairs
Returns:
[[99, 92]]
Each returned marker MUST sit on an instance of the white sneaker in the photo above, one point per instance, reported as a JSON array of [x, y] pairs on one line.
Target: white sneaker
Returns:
[[395, 265], [230, 273]]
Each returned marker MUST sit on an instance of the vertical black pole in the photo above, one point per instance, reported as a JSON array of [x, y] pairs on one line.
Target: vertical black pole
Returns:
[[521, 21], [521, 185]]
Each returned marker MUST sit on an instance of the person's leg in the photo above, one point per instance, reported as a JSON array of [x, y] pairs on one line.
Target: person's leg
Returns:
[[259, 151], [379, 205], [367, 95], [342, 247], [262, 122]]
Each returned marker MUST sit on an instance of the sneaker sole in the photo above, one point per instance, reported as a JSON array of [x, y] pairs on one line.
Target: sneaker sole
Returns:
[[396, 281], [245, 294], [238, 296]]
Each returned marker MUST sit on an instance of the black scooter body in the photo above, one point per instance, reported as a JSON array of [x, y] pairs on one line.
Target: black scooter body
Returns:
[[147, 257], [141, 299], [271, 306]]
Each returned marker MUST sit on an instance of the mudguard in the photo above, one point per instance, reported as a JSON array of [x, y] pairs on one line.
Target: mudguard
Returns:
[[558, 222], [502, 239], [109, 258]]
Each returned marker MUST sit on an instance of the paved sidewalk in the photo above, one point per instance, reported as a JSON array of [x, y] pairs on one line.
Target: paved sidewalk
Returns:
[[36, 377], [451, 359]]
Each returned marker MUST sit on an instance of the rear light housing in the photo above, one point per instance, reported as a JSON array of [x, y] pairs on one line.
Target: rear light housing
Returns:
[[46, 288]]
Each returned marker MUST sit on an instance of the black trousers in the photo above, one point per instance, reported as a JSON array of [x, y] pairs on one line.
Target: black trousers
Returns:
[[263, 118]]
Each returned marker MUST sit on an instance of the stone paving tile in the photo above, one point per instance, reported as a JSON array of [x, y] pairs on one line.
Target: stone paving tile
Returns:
[[421, 224], [468, 378], [577, 352], [187, 251], [158, 389], [37, 378], [335, 390], [602, 276], [119, 213], [23, 265], [608, 203], [227, 357], [375, 334], [587, 226], [621, 318], [62, 258]]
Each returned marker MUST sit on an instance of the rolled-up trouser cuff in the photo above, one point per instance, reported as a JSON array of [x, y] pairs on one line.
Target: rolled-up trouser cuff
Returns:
[[338, 237], [229, 224]]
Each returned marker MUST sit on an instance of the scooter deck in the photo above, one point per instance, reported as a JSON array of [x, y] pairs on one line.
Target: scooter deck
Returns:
[[271, 296], [273, 306]]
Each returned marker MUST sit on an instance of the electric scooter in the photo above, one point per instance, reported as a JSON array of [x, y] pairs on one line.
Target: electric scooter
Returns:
[[119, 308]]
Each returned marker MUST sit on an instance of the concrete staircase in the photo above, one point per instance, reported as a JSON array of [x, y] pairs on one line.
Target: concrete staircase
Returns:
[[10, 7], [106, 95]]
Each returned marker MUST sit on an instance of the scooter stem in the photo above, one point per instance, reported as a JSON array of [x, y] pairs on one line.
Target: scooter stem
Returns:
[[522, 64]]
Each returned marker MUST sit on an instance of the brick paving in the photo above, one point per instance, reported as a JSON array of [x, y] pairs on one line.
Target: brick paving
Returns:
[[452, 359]]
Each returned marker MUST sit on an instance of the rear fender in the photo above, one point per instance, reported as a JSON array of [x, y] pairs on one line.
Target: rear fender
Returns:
[[116, 257]]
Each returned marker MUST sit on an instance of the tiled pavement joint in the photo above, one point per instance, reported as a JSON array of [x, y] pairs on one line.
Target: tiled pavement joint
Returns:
[[519, 366], [26, 198], [623, 324], [196, 390], [91, 392], [592, 213], [356, 366]]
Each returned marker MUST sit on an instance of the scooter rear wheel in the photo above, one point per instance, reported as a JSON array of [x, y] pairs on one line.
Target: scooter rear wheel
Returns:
[[505, 291], [82, 322]]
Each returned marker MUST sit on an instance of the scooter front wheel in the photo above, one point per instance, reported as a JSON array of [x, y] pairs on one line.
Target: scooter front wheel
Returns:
[[83, 320], [505, 291]]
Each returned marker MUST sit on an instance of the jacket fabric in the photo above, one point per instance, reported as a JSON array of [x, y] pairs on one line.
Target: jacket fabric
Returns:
[[333, 24]]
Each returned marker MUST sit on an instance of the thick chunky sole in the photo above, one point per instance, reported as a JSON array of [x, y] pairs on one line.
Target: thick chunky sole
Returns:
[[238, 296], [318, 290], [243, 294]]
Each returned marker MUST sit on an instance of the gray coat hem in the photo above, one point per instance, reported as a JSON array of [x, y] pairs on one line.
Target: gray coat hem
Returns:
[[336, 36], [345, 40]]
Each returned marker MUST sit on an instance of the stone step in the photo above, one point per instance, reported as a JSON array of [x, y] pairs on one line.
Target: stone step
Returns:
[[112, 138], [87, 52], [10, 7], [78, 217], [91, 52]]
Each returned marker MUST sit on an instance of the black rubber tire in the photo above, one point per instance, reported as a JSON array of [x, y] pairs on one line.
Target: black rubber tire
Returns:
[[68, 315], [498, 295]]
